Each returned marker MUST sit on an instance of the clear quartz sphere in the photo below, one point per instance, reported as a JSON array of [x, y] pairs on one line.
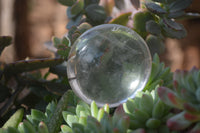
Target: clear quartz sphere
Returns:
[[108, 64]]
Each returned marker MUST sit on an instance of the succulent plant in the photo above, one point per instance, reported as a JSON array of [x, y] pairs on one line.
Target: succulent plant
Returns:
[[147, 113], [160, 75], [184, 96]]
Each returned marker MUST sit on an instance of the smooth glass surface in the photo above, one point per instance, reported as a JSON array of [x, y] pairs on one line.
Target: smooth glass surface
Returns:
[[108, 64]]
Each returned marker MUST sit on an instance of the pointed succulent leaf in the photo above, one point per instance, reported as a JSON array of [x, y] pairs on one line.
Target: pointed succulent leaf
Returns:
[[93, 124], [129, 106], [26, 127], [106, 108], [153, 123], [98, 14], [72, 119], [192, 108], [66, 129], [153, 27], [94, 109], [141, 116], [158, 110], [15, 119], [11, 130], [121, 19], [66, 2], [77, 7], [37, 115], [192, 117], [4, 42], [82, 120], [179, 5], [136, 3], [135, 124], [100, 114], [155, 8], [78, 127], [178, 122], [170, 98], [42, 128], [146, 103]]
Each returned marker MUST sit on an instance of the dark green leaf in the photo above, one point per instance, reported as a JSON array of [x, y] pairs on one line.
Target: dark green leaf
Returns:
[[155, 44], [74, 22], [77, 7], [29, 65], [155, 8], [136, 3], [4, 42], [56, 41], [69, 14], [178, 5], [153, 28], [96, 14], [176, 14], [67, 2], [88, 2], [122, 19], [172, 24]]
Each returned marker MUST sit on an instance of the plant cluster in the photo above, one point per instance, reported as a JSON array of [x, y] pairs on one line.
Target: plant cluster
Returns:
[[169, 103]]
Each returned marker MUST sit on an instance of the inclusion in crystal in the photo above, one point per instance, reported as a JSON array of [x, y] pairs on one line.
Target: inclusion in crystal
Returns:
[[108, 64]]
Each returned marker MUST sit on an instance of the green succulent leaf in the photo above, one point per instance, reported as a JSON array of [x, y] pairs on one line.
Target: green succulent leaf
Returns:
[[179, 5], [155, 8], [42, 128], [75, 21], [26, 127], [77, 7], [96, 14], [121, 19], [15, 119], [176, 14], [153, 27], [153, 123]]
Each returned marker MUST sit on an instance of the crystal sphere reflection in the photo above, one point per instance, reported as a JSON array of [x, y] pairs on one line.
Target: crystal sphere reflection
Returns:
[[108, 64]]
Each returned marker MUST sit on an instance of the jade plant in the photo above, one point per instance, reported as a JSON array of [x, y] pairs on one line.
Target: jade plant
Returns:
[[169, 103]]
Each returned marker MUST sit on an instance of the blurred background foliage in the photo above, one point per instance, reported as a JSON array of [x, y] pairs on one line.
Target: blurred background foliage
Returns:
[[32, 23]]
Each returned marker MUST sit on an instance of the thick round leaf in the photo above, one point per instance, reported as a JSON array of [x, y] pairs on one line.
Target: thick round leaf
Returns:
[[139, 22], [178, 5], [67, 2], [121, 19], [176, 14], [155, 44], [172, 24], [155, 8], [96, 14], [74, 22], [153, 28], [77, 7]]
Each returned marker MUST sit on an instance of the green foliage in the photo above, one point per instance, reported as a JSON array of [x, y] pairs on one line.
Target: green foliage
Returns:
[[184, 96], [159, 75]]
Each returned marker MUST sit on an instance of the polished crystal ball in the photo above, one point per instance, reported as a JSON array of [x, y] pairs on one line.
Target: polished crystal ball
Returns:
[[108, 64]]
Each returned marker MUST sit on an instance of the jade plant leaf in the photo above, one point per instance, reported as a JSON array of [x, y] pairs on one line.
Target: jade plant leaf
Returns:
[[74, 21], [96, 14], [178, 5], [4, 42], [77, 7], [121, 19], [155, 8], [153, 27]]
